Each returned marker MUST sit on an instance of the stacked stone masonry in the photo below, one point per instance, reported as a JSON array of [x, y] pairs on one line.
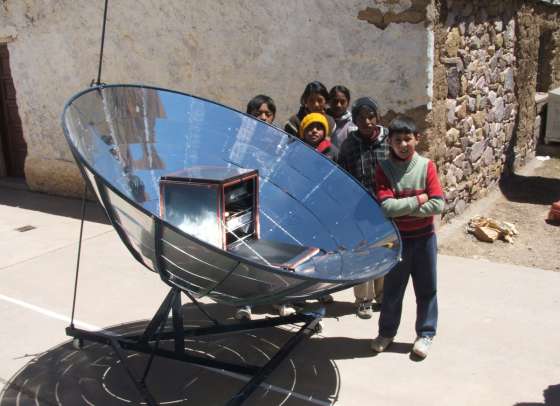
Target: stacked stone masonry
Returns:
[[479, 57], [484, 131]]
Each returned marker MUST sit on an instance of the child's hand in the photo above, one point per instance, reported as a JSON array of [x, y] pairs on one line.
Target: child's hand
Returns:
[[423, 198]]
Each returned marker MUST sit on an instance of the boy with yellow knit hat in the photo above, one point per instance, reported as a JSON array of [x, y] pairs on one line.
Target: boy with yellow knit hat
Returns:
[[314, 130]]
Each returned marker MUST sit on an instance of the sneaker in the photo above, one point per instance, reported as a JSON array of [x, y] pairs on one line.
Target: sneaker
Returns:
[[380, 343], [284, 310], [326, 299], [421, 346], [243, 313], [364, 310]]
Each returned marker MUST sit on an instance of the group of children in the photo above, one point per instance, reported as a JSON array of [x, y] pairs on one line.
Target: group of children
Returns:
[[385, 162]]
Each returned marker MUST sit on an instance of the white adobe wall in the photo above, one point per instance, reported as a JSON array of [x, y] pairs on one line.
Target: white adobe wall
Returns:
[[224, 50]]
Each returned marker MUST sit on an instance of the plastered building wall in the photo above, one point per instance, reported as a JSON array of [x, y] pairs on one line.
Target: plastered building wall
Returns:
[[226, 51]]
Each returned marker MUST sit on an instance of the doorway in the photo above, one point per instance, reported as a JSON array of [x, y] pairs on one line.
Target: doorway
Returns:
[[14, 147], [546, 55], [544, 80]]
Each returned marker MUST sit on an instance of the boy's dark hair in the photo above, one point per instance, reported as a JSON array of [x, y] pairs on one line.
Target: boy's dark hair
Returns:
[[339, 88], [402, 125], [313, 87], [362, 102], [256, 102]]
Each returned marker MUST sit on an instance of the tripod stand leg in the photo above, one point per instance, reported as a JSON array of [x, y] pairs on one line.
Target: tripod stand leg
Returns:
[[156, 332], [140, 385], [202, 310], [161, 315], [308, 329], [178, 325]]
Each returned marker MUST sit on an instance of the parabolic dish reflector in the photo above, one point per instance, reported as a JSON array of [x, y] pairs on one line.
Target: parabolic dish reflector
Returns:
[[221, 204]]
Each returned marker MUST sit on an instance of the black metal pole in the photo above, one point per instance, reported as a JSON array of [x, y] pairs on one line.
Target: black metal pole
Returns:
[[178, 326], [102, 43], [160, 317], [79, 254]]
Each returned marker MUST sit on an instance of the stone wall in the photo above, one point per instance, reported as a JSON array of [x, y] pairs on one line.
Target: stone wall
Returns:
[[487, 51], [225, 51]]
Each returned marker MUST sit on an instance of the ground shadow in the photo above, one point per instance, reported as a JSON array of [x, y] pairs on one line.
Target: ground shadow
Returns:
[[333, 310], [551, 397], [339, 309], [530, 189], [60, 206], [93, 375], [552, 149], [396, 347], [319, 346]]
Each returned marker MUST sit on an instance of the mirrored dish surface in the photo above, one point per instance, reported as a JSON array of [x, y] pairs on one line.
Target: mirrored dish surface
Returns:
[[315, 228]]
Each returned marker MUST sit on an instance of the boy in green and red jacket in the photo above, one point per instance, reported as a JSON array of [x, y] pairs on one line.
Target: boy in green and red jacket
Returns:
[[410, 193]]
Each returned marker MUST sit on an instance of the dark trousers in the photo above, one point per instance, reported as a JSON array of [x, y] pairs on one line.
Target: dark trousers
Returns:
[[419, 257]]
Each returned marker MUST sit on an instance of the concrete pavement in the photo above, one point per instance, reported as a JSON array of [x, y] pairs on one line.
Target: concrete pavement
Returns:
[[497, 341]]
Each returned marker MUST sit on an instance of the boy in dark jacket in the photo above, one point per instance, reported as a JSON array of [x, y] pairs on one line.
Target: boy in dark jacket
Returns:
[[359, 154]]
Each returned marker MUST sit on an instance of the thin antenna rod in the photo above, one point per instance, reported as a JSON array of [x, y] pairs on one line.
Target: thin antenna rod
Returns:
[[79, 253], [102, 43]]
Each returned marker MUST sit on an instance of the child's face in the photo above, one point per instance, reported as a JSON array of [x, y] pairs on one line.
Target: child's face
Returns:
[[315, 103], [338, 104], [366, 121], [403, 144], [263, 114], [314, 133]]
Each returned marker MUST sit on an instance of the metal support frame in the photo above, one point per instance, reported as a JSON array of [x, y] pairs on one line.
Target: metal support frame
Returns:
[[156, 331]]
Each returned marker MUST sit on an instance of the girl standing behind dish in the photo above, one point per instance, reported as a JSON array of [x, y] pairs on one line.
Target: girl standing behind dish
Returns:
[[339, 100], [313, 100]]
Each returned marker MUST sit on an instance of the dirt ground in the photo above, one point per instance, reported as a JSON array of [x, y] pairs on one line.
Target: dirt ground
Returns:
[[524, 200]]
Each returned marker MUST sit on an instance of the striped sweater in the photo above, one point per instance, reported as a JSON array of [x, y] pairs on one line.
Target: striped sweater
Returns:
[[399, 183]]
